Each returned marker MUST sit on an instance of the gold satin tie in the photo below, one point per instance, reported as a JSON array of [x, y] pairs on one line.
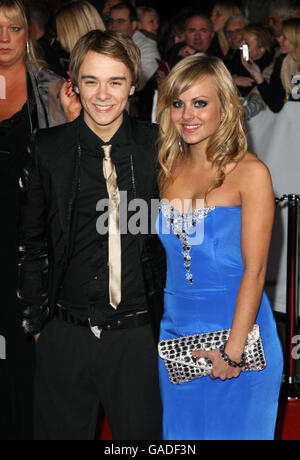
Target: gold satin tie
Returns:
[[114, 237]]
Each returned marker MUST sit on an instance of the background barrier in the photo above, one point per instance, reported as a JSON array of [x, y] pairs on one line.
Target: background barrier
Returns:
[[275, 138]]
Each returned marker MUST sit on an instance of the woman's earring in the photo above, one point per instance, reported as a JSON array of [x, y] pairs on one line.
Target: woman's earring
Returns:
[[27, 48]]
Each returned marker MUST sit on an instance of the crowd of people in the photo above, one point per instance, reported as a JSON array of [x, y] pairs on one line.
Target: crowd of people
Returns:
[[265, 80], [52, 57]]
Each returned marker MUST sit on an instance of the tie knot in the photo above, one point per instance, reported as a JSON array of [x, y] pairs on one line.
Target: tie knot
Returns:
[[106, 150]]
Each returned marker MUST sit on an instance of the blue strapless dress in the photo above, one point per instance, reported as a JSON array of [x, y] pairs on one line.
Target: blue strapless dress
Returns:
[[204, 271]]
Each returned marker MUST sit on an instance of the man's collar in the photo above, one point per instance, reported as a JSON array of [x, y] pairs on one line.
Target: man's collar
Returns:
[[93, 141]]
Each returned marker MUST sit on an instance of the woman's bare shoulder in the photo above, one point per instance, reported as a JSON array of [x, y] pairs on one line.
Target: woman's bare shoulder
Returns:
[[251, 167]]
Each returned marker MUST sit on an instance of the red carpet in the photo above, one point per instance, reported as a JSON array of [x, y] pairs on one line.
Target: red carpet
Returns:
[[288, 422], [105, 433]]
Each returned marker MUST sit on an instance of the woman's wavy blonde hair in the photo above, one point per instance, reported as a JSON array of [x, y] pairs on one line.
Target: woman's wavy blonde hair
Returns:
[[291, 66], [228, 8], [74, 20], [16, 11], [227, 142]]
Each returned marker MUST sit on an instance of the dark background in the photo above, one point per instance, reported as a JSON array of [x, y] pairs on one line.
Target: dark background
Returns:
[[255, 10]]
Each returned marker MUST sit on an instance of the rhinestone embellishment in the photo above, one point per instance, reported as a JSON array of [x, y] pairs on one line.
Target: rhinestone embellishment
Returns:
[[181, 225]]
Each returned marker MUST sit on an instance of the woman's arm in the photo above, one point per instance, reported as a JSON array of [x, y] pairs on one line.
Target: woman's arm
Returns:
[[273, 93], [257, 200], [257, 220]]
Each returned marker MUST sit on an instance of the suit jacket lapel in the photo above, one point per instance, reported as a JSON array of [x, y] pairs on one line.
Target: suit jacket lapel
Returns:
[[143, 163], [66, 178]]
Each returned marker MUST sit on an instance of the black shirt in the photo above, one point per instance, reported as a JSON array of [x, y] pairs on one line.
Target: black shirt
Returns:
[[85, 286]]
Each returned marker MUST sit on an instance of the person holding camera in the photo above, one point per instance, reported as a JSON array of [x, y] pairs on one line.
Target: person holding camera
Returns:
[[283, 81]]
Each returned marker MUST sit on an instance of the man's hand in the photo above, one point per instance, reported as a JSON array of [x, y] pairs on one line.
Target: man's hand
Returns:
[[186, 51]]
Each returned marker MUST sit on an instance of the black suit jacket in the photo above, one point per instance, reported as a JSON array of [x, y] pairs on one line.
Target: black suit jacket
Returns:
[[51, 185]]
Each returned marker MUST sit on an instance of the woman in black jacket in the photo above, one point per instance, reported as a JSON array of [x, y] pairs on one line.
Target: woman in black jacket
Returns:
[[29, 96]]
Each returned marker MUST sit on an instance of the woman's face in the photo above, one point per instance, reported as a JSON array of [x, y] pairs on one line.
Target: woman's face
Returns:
[[218, 19], [286, 47], [197, 113], [12, 41], [255, 51]]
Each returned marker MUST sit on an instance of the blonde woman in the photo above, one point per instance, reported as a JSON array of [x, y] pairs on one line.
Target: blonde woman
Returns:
[[215, 224], [220, 13], [74, 20], [284, 81], [148, 20]]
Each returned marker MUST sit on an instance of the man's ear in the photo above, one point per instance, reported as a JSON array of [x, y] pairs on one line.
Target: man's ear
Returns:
[[132, 90], [76, 89]]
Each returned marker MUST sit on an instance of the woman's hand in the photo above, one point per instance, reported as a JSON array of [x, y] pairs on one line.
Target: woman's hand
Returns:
[[70, 101], [160, 77], [254, 70], [221, 370], [36, 337]]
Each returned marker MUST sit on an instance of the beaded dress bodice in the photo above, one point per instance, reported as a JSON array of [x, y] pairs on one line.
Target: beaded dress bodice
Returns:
[[183, 225], [201, 245]]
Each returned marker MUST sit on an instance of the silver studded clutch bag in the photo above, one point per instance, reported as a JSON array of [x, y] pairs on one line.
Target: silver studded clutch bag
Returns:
[[183, 367]]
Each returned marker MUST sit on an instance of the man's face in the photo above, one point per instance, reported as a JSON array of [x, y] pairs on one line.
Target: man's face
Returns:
[[198, 33], [275, 23], [104, 84], [120, 22], [234, 33]]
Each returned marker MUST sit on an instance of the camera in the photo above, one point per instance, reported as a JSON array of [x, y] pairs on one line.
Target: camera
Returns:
[[245, 49]]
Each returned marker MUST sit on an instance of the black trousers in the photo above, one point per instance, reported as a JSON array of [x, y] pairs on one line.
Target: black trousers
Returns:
[[75, 372]]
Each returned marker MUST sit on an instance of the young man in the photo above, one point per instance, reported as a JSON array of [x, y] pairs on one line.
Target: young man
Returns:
[[104, 285]]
